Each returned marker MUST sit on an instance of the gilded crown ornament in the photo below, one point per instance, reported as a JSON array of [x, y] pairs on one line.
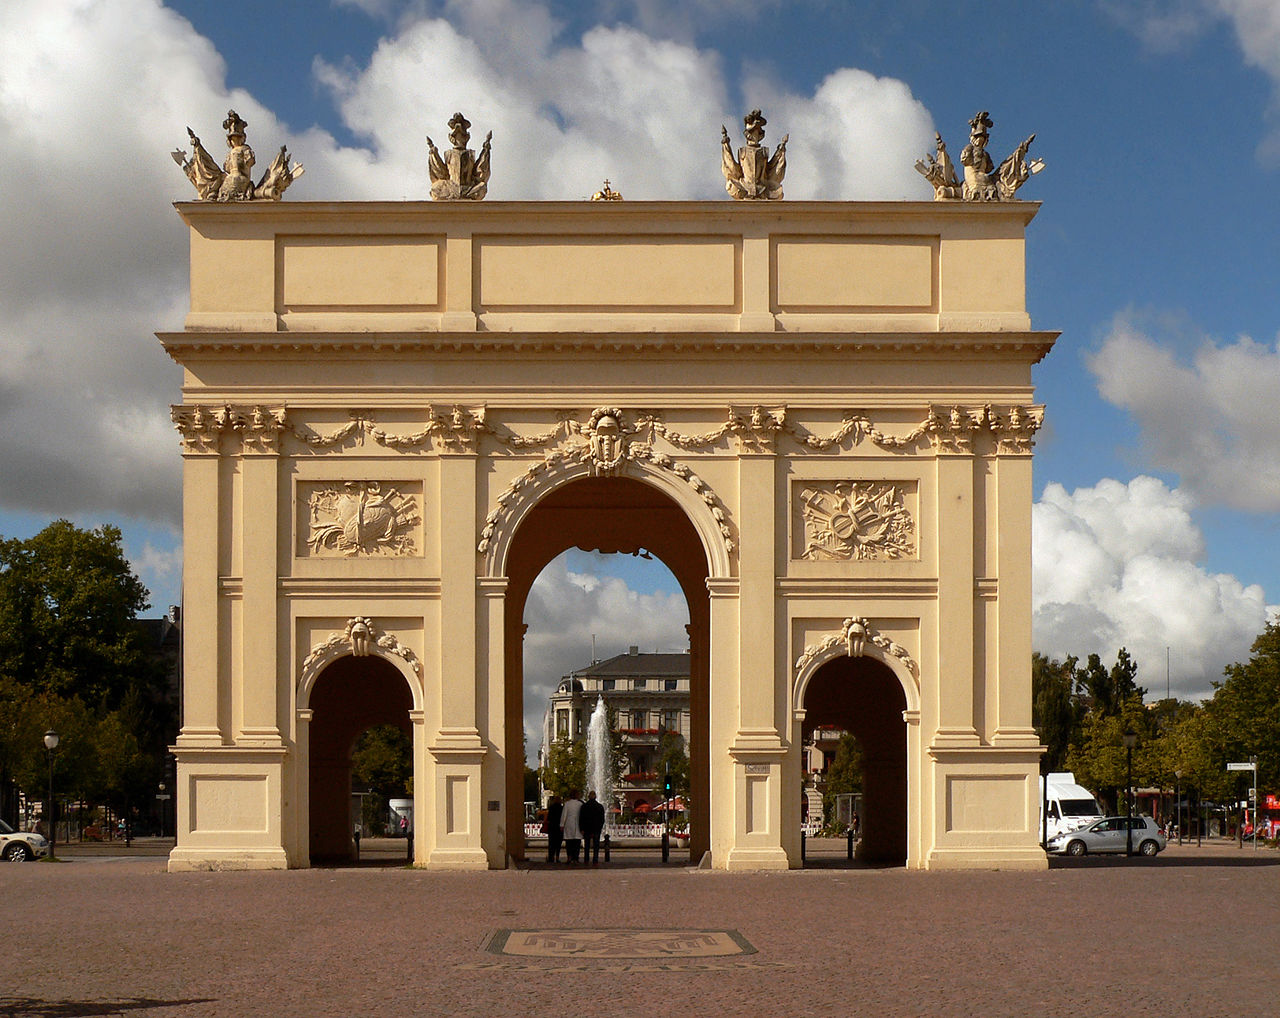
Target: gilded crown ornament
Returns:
[[753, 175], [459, 174], [983, 180], [232, 181]]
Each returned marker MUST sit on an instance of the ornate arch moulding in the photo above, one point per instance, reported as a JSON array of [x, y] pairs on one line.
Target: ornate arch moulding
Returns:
[[857, 638], [361, 637], [606, 445]]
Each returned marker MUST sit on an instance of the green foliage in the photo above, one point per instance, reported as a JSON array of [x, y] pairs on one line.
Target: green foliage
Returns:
[[566, 767], [383, 760], [1242, 718], [68, 601], [1055, 710], [845, 773], [673, 762], [1110, 689]]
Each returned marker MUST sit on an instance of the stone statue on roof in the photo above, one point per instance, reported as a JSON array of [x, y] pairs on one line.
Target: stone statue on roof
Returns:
[[459, 174], [753, 175], [983, 180], [232, 181]]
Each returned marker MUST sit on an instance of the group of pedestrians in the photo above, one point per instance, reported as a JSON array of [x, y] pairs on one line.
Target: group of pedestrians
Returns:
[[574, 824]]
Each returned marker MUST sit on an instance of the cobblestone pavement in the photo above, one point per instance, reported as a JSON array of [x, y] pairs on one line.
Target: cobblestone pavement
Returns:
[[1192, 932]]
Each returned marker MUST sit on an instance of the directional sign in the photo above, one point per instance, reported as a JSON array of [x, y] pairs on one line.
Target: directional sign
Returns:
[[1239, 766]]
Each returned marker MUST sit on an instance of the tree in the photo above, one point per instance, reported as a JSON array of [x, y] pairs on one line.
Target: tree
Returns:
[[68, 601], [673, 763], [566, 767], [1055, 710], [1110, 689], [845, 773], [1242, 718], [383, 760]]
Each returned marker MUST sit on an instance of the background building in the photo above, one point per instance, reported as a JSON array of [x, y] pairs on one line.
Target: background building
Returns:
[[649, 696]]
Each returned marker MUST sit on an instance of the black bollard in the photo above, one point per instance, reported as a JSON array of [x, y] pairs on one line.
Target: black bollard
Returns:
[[356, 836], [802, 843], [606, 848], [849, 836], [666, 846], [409, 847]]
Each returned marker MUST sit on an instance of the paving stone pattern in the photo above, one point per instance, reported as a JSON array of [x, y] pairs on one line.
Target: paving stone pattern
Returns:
[[1192, 932]]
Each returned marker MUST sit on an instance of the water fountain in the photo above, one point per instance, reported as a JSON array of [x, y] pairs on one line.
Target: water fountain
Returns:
[[600, 757]]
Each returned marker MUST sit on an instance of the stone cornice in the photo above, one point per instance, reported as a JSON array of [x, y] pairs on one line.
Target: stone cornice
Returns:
[[1029, 346], [430, 216]]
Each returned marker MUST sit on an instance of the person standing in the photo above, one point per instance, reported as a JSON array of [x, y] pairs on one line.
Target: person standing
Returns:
[[552, 826], [592, 822], [571, 824]]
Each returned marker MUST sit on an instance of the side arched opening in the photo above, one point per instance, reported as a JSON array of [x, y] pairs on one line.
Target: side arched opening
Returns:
[[350, 696], [862, 696]]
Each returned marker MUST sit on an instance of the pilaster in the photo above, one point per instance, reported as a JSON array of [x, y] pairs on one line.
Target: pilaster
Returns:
[[955, 645]]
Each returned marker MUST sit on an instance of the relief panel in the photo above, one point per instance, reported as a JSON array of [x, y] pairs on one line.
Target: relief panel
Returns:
[[363, 272], [229, 803], [359, 519], [841, 273], [580, 273], [854, 521]]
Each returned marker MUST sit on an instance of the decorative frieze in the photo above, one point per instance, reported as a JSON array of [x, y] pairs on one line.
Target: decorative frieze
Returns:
[[361, 518], [854, 521]]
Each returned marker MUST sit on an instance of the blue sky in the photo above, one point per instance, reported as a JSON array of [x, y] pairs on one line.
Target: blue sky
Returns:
[[1155, 251]]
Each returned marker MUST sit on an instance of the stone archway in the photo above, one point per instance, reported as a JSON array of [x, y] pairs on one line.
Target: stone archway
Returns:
[[609, 514], [862, 696], [349, 696]]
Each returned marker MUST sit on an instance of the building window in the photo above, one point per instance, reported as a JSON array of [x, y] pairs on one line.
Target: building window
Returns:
[[562, 724], [640, 684], [608, 684], [670, 685], [671, 720], [639, 718]]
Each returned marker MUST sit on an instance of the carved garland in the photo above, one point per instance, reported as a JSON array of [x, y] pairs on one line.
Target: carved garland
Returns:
[[359, 639], [755, 427], [855, 634]]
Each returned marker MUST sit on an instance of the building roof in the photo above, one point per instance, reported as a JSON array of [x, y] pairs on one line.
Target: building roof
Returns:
[[638, 665]]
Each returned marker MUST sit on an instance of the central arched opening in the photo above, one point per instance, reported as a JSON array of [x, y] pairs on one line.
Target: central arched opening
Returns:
[[855, 741], [625, 516], [351, 697]]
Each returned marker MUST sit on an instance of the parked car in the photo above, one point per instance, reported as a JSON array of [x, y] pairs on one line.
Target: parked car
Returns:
[[21, 846], [1111, 834]]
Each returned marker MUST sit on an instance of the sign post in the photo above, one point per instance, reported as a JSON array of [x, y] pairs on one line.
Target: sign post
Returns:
[[1252, 765]]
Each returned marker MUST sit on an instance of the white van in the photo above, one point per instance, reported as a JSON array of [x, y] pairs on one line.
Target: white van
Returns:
[[1068, 805]]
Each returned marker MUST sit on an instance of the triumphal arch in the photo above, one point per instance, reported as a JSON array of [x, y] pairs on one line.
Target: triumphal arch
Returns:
[[818, 414]]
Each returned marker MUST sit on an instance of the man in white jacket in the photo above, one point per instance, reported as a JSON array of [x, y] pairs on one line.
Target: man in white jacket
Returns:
[[571, 825]]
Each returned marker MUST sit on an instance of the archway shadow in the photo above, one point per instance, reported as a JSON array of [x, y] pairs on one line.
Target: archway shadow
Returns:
[[33, 1007]]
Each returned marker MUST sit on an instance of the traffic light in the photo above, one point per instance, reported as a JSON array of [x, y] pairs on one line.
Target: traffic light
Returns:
[[666, 785]]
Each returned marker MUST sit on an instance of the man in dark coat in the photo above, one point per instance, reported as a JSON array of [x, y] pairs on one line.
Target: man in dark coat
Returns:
[[552, 827], [592, 823]]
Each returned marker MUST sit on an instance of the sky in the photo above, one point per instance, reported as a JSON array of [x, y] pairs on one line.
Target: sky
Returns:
[[1155, 252]]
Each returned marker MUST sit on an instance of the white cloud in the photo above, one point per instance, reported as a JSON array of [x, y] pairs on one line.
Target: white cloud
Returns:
[[566, 609], [1211, 420], [1115, 565]]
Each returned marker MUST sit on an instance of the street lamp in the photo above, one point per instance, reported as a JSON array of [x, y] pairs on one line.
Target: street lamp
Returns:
[[1130, 740], [50, 744], [1177, 801]]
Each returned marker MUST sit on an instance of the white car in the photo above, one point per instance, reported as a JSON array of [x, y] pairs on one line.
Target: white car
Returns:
[[1112, 834], [21, 846]]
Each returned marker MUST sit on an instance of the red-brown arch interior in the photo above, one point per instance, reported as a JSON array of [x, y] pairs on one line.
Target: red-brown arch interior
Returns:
[[609, 514], [863, 697], [352, 695]]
